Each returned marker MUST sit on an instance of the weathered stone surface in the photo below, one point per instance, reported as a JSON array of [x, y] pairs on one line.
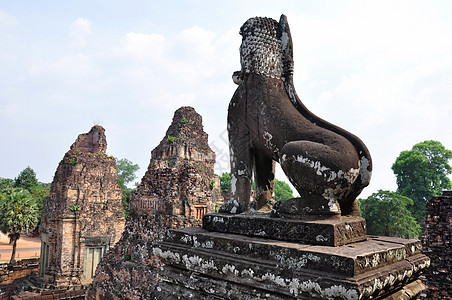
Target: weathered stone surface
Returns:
[[20, 269], [268, 123], [347, 260], [129, 270], [180, 181], [178, 188], [371, 268], [437, 243], [83, 217], [329, 232], [410, 291]]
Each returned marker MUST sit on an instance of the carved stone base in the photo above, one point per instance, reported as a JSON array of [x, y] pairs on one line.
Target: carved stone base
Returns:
[[211, 265], [334, 231]]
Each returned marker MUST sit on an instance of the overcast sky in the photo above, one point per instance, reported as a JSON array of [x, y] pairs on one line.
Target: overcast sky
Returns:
[[380, 69]]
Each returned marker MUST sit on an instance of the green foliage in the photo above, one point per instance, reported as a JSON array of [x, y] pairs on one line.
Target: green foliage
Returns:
[[212, 184], [41, 193], [387, 214], [126, 193], [422, 172], [225, 181], [73, 161], [217, 206], [126, 173], [127, 257], [74, 207], [282, 191], [170, 139], [26, 179], [118, 293], [184, 121], [6, 183], [18, 213]]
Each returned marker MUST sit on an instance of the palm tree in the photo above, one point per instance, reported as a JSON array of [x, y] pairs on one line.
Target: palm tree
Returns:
[[18, 213]]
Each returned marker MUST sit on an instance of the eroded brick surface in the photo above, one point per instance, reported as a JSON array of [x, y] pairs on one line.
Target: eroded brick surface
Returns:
[[83, 217], [437, 245], [178, 188]]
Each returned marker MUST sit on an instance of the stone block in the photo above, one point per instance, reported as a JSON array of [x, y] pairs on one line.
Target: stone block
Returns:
[[334, 231], [202, 263]]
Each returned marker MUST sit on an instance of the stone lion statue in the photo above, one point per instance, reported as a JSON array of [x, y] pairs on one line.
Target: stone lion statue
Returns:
[[268, 123]]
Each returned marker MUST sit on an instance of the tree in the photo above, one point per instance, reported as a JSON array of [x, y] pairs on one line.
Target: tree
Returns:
[[225, 181], [282, 191], [26, 179], [386, 213], [18, 213], [126, 173], [422, 172], [6, 183], [126, 170], [41, 193]]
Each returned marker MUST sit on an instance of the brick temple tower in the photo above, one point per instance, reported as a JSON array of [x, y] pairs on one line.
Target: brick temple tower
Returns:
[[180, 180], [83, 217], [178, 188]]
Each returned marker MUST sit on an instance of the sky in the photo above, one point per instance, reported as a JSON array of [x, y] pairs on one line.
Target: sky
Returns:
[[379, 69]]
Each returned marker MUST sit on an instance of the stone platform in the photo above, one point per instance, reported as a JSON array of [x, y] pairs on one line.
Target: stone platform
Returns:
[[333, 231], [211, 265]]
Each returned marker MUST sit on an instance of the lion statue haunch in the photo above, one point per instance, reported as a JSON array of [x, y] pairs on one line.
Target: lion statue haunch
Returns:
[[267, 122]]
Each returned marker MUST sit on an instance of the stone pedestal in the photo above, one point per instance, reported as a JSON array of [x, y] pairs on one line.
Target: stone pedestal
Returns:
[[331, 231], [211, 265]]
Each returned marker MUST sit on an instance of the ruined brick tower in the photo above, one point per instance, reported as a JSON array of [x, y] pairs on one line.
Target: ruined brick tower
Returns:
[[180, 180], [437, 244], [178, 188], [83, 217]]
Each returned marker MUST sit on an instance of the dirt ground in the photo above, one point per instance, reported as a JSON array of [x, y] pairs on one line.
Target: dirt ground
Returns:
[[27, 247]]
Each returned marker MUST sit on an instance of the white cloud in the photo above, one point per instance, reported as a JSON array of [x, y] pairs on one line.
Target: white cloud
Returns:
[[199, 41], [79, 31], [191, 57], [80, 64], [143, 46], [7, 20]]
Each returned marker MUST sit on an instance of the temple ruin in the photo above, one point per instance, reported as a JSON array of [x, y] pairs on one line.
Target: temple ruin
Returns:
[[180, 180], [84, 216], [178, 188], [312, 247], [437, 245]]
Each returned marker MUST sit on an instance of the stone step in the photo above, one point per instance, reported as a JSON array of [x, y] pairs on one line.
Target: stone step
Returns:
[[350, 260], [362, 269]]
